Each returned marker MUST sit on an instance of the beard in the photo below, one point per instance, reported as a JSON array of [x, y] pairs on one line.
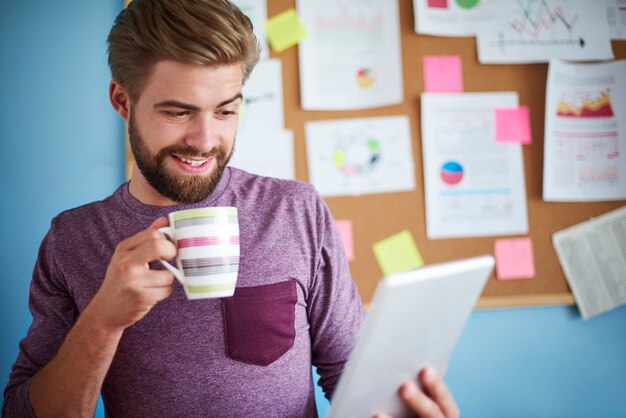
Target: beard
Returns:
[[181, 188]]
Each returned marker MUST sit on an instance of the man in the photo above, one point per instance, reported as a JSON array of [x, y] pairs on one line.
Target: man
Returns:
[[107, 319]]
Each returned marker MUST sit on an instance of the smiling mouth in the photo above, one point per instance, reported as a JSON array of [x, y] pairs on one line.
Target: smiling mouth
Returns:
[[192, 162]]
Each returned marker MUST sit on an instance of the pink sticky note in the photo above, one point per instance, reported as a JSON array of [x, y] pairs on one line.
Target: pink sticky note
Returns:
[[514, 258], [345, 231], [438, 4], [443, 74], [513, 125]]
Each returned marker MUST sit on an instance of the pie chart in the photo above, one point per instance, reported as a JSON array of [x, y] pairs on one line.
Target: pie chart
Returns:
[[365, 77], [451, 173], [467, 4]]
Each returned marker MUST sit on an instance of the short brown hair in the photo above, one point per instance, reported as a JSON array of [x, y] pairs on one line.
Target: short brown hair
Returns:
[[202, 32]]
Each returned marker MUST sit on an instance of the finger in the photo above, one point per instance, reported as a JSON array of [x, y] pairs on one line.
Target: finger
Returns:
[[438, 391], [381, 415], [134, 241], [151, 232], [418, 402], [157, 294], [154, 249], [158, 278]]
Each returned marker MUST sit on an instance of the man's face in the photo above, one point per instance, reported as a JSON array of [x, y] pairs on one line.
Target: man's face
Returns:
[[182, 130]]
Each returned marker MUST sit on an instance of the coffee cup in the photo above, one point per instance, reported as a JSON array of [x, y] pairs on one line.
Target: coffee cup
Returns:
[[207, 240]]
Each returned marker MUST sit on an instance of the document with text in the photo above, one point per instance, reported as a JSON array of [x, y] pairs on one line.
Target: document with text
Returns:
[[352, 157], [262, 145], [474, 185], [585, 132], [539, 30], [351, 57], [593, 258]]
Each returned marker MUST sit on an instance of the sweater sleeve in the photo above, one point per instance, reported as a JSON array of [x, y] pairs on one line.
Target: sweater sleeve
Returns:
[[335, 310], [54, 313]]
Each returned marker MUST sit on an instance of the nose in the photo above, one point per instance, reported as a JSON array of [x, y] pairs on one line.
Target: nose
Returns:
[[202, 134]]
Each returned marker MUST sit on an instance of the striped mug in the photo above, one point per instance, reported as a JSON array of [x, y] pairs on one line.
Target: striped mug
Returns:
[[207, 240]]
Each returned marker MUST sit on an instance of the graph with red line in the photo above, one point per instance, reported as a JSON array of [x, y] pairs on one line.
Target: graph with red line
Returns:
[[527, 31], [538, 17], [542, 23]]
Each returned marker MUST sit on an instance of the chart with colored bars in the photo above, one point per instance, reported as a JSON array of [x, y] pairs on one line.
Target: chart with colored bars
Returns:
[[584, 105], [538, 30]]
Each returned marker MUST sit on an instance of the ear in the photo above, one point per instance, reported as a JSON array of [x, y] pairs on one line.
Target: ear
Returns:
[[120, 100]]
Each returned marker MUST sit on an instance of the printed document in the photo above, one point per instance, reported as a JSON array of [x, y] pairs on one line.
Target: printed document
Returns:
[[474, 185], [256, 10], [360, 156], [585, 132], [593, 257], [351, 58], [539, 30], [452, 17], [262, 145], [616, 16]]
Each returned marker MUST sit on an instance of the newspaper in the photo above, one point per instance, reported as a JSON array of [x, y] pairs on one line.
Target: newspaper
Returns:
[[593, 257]]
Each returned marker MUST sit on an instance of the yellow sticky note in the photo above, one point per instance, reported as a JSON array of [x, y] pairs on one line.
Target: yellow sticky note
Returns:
[[284, 30], [397, 253]]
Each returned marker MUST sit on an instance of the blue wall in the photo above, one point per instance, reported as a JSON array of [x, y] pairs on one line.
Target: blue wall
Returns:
[[64, 147], [63, 143]]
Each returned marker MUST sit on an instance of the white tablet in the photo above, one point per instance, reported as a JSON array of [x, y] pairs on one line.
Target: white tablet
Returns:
[[415, 319]]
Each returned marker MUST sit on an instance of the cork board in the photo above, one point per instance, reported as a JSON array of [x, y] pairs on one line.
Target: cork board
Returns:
[[406, 210]]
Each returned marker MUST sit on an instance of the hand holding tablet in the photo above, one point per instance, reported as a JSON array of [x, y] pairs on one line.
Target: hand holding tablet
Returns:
[[415, 319]]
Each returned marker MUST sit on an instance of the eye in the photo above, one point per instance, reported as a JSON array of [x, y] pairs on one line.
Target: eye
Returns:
[[226, 113], [177, 114]]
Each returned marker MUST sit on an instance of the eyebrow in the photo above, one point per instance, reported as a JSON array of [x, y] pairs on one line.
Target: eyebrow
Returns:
[[187, 106]]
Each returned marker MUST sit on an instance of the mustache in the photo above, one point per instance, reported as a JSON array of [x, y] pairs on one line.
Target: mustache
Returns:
[[189, 152]]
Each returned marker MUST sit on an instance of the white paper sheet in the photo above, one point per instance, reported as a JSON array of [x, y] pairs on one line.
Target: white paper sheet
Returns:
[[262, 108], [263, 146], [616, 16], [474, 186], [585, 132], [593, 257], [270, 154], [539, 30], [351, 58], [256, 10], [360, 156], [452, 17]]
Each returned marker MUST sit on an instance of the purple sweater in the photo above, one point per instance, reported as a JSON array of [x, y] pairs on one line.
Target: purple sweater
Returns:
[[245, 356]]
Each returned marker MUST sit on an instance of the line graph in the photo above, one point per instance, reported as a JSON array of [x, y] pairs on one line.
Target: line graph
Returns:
[[527, 31], [537, 17], [540, 24]]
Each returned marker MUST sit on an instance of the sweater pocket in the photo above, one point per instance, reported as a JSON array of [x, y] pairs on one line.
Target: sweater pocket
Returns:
[[259, 322]]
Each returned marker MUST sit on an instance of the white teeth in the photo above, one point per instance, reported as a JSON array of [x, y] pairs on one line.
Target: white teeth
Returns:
[[193, 163]]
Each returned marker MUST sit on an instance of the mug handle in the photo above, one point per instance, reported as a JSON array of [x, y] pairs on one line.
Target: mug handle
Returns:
[[167, 230]]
